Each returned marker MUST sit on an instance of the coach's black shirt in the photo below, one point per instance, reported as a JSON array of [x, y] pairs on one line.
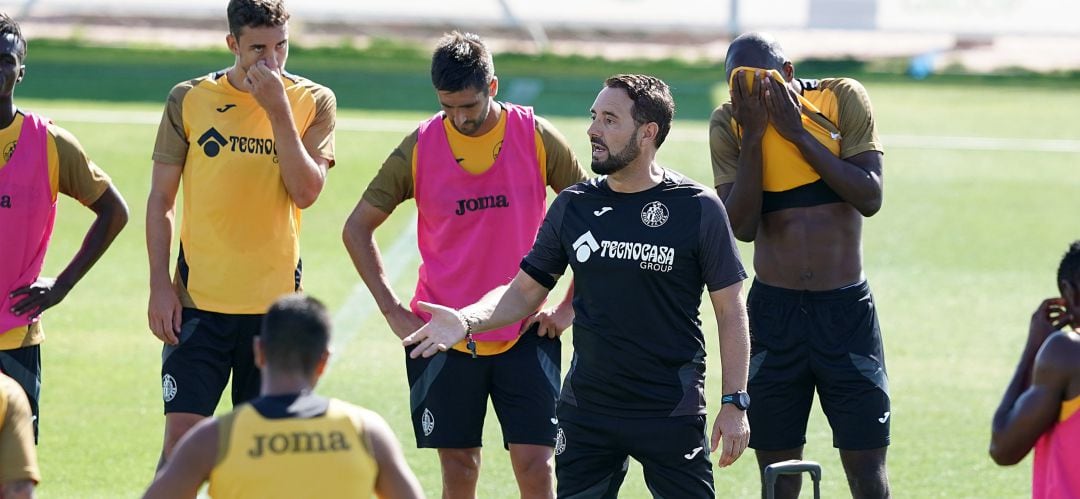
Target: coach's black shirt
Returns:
[[640, 261]]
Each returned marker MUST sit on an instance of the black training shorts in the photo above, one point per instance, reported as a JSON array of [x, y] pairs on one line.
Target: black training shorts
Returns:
[[824, 340], [195, 372]]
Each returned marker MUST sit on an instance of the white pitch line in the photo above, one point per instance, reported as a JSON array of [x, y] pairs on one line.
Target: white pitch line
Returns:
[[927, 142], [359, 306]]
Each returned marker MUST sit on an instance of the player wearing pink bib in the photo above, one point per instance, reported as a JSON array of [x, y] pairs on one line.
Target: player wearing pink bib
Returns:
[[40, 160], [478, 171], [1041, 405]]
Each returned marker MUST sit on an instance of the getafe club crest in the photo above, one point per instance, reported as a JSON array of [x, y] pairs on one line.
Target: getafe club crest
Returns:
[[428, 422], [168, 388], [560, 442], [654, 214]]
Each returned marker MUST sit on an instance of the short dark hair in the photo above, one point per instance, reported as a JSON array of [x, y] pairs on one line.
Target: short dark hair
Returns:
[[1069, 269], [652, 101], [461, 61], [8, 26], [256, 14], [295, 333], [758, 50]]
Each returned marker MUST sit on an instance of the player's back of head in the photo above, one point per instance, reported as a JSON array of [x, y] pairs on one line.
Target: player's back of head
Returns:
[[295, 334], [461, 61], [1069, 268]]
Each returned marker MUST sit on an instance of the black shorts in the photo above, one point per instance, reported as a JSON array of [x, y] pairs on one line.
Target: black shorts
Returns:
[[593, 451], [828, 340], [24, 366], [195, 372], [448, 394]]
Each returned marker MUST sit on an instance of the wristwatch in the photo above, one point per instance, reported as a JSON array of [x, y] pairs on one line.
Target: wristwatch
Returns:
[[739, 399]]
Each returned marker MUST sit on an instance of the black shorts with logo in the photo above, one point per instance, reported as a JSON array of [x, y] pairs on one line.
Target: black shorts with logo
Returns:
[[195, 372], [824, 340], [24, 366], [593, 451], [448, 394]]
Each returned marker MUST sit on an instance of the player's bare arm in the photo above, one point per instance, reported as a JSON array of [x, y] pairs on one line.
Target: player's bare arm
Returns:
[[731, 431], [1033, 399], [302, 171], [190, 464], [742, 199], [111, 215], [396, 479], [163, 311], [554, 320], [499, 307], [359, 238], [857, 180]]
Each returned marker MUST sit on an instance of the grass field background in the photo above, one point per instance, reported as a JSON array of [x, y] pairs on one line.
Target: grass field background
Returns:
[[964, 249]]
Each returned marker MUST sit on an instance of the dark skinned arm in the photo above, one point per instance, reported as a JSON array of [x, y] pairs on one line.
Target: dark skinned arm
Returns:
[[1033, 398], [742, 199], [190, 464], [857, 180], [46, 292]]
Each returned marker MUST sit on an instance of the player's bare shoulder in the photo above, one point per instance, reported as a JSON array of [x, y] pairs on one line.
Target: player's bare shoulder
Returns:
[[1061, 350]]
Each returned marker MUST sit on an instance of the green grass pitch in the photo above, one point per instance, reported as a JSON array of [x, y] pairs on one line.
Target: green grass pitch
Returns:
[[966, 245]]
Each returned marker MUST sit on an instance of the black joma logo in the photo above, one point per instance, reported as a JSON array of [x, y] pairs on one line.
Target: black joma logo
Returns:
[[226, 107], [481, 203], [5, 201], [298, 442]]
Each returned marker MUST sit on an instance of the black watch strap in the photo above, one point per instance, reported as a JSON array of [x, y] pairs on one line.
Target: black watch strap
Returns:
[[739, 399]]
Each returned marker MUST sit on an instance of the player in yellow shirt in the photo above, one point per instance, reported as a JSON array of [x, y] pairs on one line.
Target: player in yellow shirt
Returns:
[[252, 144], [47, 161], [290, 442], [18, 457]]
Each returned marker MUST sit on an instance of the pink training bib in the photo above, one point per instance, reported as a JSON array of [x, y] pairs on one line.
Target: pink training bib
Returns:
[[473, 230], [27, 212]]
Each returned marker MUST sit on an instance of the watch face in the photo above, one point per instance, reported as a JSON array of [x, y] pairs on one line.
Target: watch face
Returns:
[[744, 400]]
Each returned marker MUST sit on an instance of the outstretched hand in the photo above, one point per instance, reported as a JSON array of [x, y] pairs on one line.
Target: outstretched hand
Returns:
[[39, 297], [445, 328], [731, 433]]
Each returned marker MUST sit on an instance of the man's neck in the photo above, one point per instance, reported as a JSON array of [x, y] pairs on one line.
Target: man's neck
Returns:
[[285, 383], [236, 78], [7, 112], [643, 174], [492, 119]]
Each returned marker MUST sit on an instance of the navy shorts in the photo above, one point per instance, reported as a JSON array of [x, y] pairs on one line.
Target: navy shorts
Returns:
[[824, 340], [24, 366], [448, 394], [593, 451], [195, 372]]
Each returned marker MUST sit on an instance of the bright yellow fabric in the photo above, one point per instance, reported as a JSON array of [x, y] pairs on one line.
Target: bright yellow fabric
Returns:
[[783, 166], [325, 456], [18, 455], [240, 231], [1068, 408]]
